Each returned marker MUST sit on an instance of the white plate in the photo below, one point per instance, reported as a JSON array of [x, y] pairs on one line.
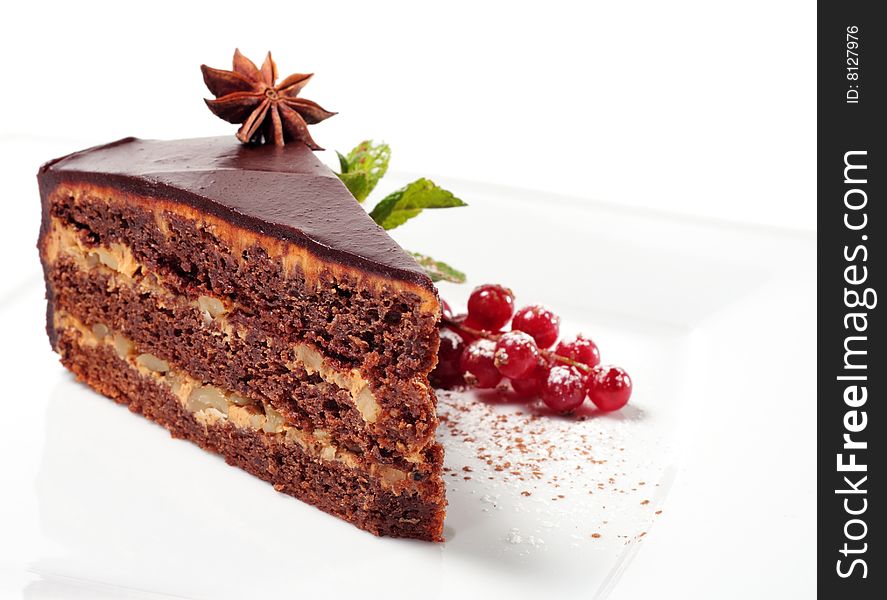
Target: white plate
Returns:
[[712, 321]]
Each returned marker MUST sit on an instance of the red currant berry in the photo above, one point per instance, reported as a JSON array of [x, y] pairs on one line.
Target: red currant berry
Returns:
[[581, 350], [530, 386], [490, 307], [516, 354], [445, 311], [447, 373], [564, 389], [539, 322], [475, 324], [476, 363], [462, 319], [609, 387]]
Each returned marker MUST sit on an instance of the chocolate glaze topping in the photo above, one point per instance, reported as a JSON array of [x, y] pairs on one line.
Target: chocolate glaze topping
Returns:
[[282, 191]]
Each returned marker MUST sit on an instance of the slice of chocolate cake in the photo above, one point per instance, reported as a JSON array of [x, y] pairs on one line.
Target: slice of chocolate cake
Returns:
[[240, 297]]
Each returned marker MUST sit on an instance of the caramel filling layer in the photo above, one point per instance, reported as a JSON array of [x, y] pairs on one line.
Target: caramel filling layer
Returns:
[[213, 406], [117, 261]]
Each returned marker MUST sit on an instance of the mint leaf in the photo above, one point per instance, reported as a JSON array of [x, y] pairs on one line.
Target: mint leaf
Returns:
[[364, 166], [370, 158], [399, 207], [358, 183], [343, 163], [437, 270]]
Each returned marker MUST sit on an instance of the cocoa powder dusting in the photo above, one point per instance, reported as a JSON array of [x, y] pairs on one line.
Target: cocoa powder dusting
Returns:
[[543, 465]]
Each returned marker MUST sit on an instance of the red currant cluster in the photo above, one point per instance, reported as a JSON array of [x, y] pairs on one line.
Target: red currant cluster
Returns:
[[474, 350]]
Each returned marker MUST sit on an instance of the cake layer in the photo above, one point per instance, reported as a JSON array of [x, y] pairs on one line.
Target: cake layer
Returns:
[[393, 421], [283, 192], [387, 328], [299, 463], [255, 367]]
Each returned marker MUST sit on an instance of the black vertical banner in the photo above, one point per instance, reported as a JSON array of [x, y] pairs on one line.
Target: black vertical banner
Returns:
[[852, 368]]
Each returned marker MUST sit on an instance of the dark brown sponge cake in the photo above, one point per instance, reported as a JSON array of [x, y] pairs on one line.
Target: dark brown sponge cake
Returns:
[[240, 297]]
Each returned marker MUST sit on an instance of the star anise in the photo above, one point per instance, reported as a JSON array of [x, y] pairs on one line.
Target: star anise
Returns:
[[268, 112]]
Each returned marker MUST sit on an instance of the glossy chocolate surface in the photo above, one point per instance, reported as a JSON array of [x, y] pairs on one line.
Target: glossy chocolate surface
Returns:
[[284, 192]]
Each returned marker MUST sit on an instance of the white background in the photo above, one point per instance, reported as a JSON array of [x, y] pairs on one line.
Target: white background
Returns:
[[705, 108], [701, 109]]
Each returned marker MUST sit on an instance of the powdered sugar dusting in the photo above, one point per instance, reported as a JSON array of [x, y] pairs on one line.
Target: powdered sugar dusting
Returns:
[[482, 348], [564, 375]]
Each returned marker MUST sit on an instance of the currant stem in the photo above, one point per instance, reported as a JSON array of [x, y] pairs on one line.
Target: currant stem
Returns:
[[488, 335]]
